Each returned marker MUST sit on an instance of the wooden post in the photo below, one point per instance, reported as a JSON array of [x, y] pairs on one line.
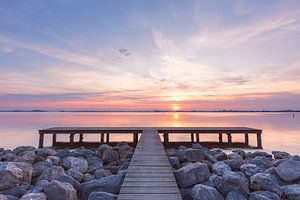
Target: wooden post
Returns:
[[81, 138], [259, 143], [135, 138], [220, 138], [192, 137], [197, 137], [229, 138], [41, 140], [107, 137], [53, 139], [247, 139], [102, 138], [72, 138], [166, 138]]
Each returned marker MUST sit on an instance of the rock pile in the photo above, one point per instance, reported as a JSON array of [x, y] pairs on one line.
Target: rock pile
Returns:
[[27, 173], [204, 174]]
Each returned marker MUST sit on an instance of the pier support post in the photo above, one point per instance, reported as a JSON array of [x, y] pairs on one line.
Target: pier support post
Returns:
[[220, 138], [72, 138], [41, 140], [259, 143], [54, 139], [229, 138], [107, 137], [166, 138], [192, 137], [81, 137], [247, 139], [135, 138], [197, 137], [102, 138]]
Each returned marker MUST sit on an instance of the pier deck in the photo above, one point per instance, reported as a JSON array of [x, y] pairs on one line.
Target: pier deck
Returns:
[[149, 175]]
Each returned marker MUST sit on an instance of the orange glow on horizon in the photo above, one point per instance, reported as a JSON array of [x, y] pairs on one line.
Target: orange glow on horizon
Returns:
[[176, 107]]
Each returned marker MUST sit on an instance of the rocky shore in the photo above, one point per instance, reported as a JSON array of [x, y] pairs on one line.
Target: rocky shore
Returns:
[[204, 174], [27, 173]]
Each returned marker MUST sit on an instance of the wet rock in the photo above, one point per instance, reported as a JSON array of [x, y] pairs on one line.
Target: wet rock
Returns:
[[100, 173], [79, 164], [289, 170], [52, 173], [264, 182], [69, 179], [77, 175], [280, 154], [174, 161], [235, 164], [235, 196], [111, 184], [34, 196], [60, 191], [22, 149], [171, 152], [192, 174], [263, 195], [203, 192], [191, 155], [262, 162], [291, 192], [250, 169], [10, 176], [9, 197], [219, 168], [272, 171], [232, 181], [102, 196], [113, 169]]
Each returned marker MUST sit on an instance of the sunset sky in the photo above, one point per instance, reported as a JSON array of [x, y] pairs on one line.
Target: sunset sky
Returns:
[[144, 55]]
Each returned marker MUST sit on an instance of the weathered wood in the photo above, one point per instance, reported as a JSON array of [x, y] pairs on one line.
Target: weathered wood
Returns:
[[81, 137], [72, 138], [229, 137], [41, 140], [220, 137], [259, 142], [246, 138], [149, 175], [107, 137], [192, 137], [197, 137], [53, 139], [102, 138]]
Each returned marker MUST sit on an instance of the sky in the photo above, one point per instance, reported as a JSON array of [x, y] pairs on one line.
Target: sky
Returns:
[[151, 54]]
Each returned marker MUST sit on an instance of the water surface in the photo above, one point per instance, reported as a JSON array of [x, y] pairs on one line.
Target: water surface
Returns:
[[281, 131]]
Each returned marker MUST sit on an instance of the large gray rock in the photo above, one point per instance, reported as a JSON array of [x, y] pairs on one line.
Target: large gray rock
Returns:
[[263, 195], [76, 174], [291, 192], [39, 187], [124, 150], [258, 153], [174, 161], [219, 168], [10, 176], [45, 152], [39, 167], [102, 148], [272, 171], [102, 196], [289, 170], [262, 162], [53, 159], [79, 164], [191, 155], [100, 173], [232, 181], [69, 179], [192, 174], [203, 192], [221, 156], [265, 182], [27, 157], [27, 170], [111, 184], [235, 164], [34, 196], [3, 197], [250, 169], [235, 196], [22, 149], [17, 191], [186, 193], [52, 173], [280, 154], [60, 191], [110, 155]]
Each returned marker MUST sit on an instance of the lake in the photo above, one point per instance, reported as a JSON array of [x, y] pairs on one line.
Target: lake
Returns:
[[281, 131]]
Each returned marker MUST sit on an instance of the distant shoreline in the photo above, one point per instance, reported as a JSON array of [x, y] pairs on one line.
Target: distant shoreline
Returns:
[[158, 111]]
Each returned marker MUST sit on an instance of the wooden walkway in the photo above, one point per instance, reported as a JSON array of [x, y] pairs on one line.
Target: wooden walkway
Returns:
[[149, 175]]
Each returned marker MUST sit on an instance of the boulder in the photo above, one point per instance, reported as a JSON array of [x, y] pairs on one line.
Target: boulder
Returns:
[[289, 170], [280, 154], [262, 162], [111, 184], [52, 173], [291, 192], [39, 187], [45, 152], [88, 177], [263, 195], [9, 197], [221, 156], [234, 156], [34, 196], [264, 182], [191, 155], [258, 153], [235, 196], [192, 174], [250, 169], [102, 196], [219, 168], [197, 146], [79, 164], [203, 192], [232, 181], [174, 161], [17, 191], [54, 160], [64, 153], [38, 168], [69, 179], [3, 197], [110, 155], [272, 171], [186, 193], [22, 149], [240, 152], [210, 157], [235, 164], [124, 150], [10, 176], [27, 170], [27, 157], [102, 148], [57, 190], [100, 173], [76, 174]]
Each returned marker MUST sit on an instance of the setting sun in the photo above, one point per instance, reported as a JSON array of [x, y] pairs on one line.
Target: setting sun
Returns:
[[175, 107]]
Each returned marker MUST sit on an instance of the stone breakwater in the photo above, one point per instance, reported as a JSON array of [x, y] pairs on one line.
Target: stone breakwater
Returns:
[[204, 174], [28, 173]]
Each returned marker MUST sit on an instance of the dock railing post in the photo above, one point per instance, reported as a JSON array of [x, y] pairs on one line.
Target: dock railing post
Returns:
[[107, 137], [197, 137], [259, 142], [41, 140], [220, 138], [54, 139], [72, 138], [229, 138], [192, 137], [246, 138], [81, 137], [102, 138], [135, 138]]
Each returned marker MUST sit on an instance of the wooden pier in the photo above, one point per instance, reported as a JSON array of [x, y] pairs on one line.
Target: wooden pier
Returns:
[[105, 132], [149, 175]]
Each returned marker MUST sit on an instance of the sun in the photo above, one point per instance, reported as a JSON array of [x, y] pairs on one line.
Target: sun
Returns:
[[175, 107]]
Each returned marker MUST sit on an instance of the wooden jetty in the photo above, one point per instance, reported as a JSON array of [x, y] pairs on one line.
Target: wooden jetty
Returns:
[[149, 175], [104, 133]]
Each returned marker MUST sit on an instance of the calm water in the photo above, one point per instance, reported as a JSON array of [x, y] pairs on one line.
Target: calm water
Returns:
[[280, 130]]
